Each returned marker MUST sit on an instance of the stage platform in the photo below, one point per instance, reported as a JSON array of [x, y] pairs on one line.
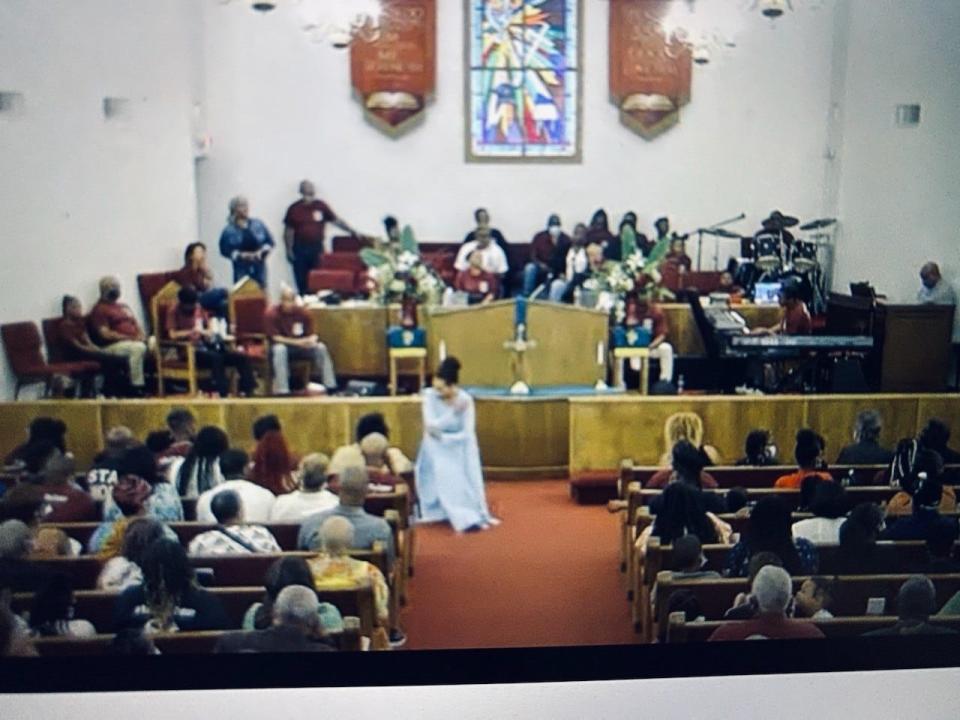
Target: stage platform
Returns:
[[533, 436]]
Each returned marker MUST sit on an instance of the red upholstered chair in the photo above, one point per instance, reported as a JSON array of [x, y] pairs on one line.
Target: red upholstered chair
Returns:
[[51, 338], [22, 343], [351, 243], [175, 360], [342, 261], [149, 284], [671, 276], [247, 308], [340, 281]]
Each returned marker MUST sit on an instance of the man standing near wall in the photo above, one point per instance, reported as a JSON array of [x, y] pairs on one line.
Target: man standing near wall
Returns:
[[304, 232], [937, 291]]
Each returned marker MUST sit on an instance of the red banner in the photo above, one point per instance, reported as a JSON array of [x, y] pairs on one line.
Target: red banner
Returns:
[[394, 74], [649, 76]]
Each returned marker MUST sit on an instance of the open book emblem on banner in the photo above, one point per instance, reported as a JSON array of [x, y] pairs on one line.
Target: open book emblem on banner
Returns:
[[394, 73], [649, 75]]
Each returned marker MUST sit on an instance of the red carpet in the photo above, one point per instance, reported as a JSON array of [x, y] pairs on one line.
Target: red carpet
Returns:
[[546, 576]]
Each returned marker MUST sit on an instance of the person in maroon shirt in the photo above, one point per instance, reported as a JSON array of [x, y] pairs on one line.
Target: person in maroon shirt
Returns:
[[64, 499], [186, 321], [115, 329], [290, 329], [76, 345], [795, 319], [480, 286], [773, 593], [196, 273], [651, 317], [548, 256], [304, 232]]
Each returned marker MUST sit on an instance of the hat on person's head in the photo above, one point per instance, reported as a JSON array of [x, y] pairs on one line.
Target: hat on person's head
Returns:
[[130, 493], [553, 220], [330, 618]]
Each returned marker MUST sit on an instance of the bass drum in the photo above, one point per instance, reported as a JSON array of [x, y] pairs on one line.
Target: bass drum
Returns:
[[768, 250], [804, 256]]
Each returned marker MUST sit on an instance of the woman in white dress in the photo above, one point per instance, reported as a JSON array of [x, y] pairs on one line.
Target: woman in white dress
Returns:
[[449, 475]]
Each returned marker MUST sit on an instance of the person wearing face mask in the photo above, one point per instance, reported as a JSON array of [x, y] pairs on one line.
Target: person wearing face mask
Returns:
[[548, 256], [246, 242], [304, 232], [115, 329]]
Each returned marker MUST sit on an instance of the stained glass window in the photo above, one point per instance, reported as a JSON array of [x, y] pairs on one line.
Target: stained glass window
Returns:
[[524, 77]]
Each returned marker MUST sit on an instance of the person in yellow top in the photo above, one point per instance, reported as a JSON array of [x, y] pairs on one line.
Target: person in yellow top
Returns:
[[334, 569]]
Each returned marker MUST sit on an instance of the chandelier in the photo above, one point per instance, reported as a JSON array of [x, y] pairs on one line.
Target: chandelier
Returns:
[[774, 9], [690, 23], [338, 22]]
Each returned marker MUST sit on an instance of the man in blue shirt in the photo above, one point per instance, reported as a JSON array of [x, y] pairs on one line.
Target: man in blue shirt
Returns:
[[246, 242], [368, 528]]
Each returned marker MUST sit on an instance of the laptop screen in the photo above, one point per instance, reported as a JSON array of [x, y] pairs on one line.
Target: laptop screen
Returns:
[[767, 293]]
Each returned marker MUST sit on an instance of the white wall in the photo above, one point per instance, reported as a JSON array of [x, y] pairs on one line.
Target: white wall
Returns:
[[280, 108], [900, 188], [80, 196]]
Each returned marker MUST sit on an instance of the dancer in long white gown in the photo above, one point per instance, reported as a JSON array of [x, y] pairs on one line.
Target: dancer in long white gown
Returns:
[[449, 474]]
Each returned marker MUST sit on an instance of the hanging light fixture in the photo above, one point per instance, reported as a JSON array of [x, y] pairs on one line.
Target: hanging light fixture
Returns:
[[774, 9], [339, 22], [705, 35]]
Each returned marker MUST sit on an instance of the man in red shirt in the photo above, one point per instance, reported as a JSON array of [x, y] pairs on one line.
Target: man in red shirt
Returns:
[[481, 286], [304, 229], [652, 318], [290, 329], [187, 322], [76, 345], [796, 317], [548, 256], [115, 329], [196, 273], [773, 593]]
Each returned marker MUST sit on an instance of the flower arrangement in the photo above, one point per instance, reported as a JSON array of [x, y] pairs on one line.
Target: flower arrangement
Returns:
[[398, 272], [634, 275]]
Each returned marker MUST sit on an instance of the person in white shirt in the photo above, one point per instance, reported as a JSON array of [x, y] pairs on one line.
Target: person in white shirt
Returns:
[[578, 267], [313, 495], [257, 501], [200, 470], [937, 291], [494, 258], [829, 505], [232, 536]]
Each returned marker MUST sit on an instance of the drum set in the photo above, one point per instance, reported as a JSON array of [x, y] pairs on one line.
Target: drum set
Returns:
[[775, 255]]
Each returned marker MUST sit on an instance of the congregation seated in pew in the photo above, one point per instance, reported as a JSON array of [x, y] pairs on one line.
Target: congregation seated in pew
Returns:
[[273, 464], [808, 452], [295, 627], [232, 535], [393, 458], [123, 569], [312, 497], [283, 573], [258, 502]]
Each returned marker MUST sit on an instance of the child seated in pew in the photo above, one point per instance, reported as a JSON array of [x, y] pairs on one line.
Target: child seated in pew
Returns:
[[688, 563], [814, 598]]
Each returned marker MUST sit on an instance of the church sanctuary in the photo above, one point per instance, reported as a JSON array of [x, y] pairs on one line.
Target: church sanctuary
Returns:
[[401, 325]]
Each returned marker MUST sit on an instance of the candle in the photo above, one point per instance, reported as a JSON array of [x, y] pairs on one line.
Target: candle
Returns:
[[442, 351], [600, 353], [520, 312]]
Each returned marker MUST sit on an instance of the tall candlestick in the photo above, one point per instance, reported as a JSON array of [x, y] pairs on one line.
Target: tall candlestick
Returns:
[[442, 351], [600, 353]]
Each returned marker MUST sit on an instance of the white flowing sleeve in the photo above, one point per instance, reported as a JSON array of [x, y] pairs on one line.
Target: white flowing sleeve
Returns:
[[468, 425]]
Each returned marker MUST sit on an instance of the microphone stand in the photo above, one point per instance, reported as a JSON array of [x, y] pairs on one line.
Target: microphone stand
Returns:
[[708, 230]]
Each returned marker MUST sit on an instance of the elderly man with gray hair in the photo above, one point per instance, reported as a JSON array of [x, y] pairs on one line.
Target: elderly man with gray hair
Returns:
[[296, 627], [916, 601], [246, 242], [313, 496], [368, 528], [866, 449], [114, 327], [772, 592]]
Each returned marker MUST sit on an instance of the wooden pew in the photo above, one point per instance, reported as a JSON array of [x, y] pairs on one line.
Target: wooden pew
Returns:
[[899, 557], [185, 643], [97, 605], [681, 631], [228, 570], [716, 596]]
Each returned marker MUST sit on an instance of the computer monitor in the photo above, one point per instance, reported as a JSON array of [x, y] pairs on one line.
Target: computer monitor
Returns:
[[767, 293]]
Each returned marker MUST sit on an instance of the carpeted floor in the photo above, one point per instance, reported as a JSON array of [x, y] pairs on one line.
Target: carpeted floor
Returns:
[[546, 576]]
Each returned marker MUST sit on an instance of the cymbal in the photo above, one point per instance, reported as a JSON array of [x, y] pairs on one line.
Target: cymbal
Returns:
[[722, 232], [778, 221], [818, 224]]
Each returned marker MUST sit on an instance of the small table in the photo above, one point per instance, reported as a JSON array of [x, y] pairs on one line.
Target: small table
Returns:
[[398, 354], [623, 353]]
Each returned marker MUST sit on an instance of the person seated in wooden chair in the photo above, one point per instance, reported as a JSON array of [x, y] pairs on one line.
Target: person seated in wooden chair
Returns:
[[186, 321], [291, 332], [480, 286]]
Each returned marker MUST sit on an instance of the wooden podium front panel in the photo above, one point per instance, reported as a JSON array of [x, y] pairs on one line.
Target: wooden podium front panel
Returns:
[[916, 347], [356, 337], [684, 334], [567, 339], [475, 336]]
